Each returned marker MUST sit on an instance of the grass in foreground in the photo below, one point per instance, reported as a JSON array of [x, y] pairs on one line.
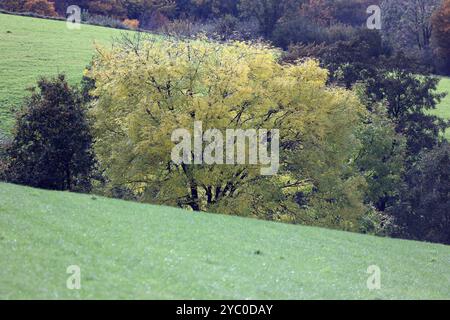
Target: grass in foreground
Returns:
[[136, 251]]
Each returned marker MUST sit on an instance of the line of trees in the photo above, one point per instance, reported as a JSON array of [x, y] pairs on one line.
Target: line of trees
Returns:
[[419, 28], [42, 7], [403, 142], [359, 150]]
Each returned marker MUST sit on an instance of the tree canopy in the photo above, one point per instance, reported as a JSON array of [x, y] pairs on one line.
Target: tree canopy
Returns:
[[146, 92]]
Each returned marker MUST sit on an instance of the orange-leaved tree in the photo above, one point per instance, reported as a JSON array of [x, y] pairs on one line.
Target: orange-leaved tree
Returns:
[[42, 7], [441, 32]]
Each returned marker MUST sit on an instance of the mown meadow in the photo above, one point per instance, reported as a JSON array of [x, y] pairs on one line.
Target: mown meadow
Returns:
[[129, 250], [33, 47]]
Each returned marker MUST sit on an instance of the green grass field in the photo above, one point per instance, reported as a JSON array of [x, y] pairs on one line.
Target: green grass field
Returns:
[[31, 47], [444, 108], [135, 251]]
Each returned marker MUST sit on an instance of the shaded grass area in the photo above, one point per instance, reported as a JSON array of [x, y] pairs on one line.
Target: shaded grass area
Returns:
[[443, 109], [136, 251]]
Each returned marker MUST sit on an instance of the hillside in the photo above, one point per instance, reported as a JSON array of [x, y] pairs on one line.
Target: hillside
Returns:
[[130, 250], [31, 47]]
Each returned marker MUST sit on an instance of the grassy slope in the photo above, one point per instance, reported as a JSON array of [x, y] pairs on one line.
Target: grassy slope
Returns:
[[444, 108], [31, 47], [131, 250], [43, 47]]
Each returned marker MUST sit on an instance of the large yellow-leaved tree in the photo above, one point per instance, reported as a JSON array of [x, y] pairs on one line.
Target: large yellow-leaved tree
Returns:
[[147, 91]]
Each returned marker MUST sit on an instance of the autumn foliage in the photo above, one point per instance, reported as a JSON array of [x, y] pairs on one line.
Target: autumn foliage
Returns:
[[42, 7], [441, 32], [147, 92], [131, 23]]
